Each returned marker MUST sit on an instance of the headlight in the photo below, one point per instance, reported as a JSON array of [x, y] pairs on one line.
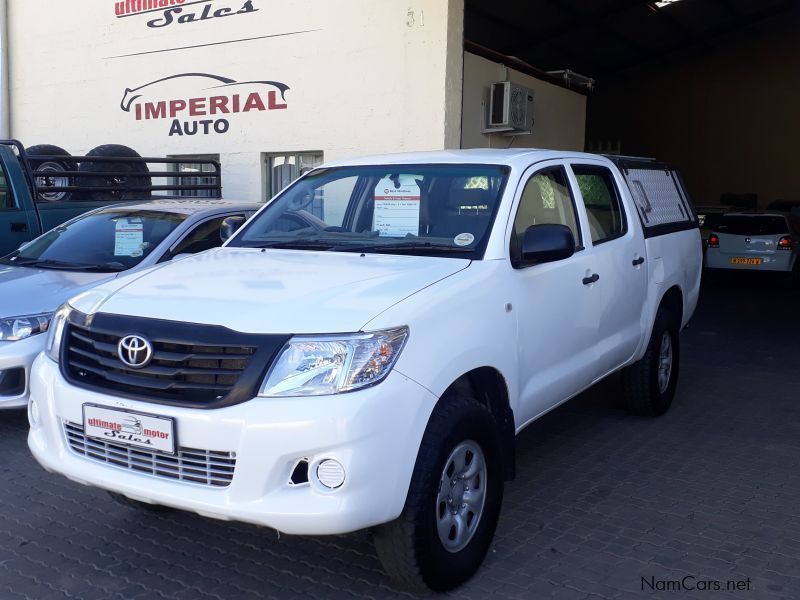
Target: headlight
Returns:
[[320, 365], [52, 346], [19, 328]]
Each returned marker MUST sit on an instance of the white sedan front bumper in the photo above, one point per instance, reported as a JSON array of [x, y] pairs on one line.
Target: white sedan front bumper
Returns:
[[374, 433], [19, 355]]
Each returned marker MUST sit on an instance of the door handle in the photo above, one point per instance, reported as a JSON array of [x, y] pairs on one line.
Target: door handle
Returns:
[[591, 279], [19, 227], [637, 261]]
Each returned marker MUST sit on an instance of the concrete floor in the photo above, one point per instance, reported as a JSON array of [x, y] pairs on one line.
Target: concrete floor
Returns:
[[605, 505]]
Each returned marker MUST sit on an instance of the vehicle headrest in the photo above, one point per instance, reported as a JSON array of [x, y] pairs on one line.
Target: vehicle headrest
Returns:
[[469, 197]]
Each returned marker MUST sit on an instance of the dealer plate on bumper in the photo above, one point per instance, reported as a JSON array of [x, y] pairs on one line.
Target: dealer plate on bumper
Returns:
[[130, 428], [740, 260]]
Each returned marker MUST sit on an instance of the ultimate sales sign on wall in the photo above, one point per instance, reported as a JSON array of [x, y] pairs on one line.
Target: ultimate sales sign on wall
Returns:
[[179, 11]]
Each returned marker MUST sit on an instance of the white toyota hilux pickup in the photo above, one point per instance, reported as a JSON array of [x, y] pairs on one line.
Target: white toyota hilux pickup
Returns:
[[369, 366]]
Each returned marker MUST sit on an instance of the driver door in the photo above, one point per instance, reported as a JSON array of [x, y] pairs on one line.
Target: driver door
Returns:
[[556, 310], [17, 225]]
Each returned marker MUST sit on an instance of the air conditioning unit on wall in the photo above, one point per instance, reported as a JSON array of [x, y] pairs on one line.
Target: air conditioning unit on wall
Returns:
[[509, 109]]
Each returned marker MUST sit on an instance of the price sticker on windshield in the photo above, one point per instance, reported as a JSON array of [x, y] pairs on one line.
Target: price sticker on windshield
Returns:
[[128, 236], [397, 206]]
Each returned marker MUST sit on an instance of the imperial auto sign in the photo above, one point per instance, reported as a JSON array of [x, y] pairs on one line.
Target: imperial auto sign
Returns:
[[195, 103], [207, 108]]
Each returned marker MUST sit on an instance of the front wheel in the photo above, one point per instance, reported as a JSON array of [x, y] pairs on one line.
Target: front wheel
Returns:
[[649, 384], [453, 503]]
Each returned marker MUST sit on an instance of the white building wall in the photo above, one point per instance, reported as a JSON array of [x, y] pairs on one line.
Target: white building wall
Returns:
[[559, 113], [363, 77]]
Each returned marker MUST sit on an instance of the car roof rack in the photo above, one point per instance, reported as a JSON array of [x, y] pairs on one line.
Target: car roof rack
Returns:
[[638, 162]]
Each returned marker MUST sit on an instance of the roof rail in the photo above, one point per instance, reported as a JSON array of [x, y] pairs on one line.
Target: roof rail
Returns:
[[624, 157]]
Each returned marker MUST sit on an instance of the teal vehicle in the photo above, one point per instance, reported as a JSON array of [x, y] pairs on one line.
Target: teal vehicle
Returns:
[[44, 186]]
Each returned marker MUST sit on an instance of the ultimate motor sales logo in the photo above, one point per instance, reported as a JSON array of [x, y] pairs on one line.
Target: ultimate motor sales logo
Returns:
[[163, 13], [131, 430], [208, 108]]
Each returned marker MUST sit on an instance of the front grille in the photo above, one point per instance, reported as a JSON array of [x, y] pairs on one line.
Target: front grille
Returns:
[[204, 467], [202, 366], [206, 372]]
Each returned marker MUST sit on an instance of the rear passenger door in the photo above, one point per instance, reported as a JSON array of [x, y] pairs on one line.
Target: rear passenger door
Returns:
[[616, 245]]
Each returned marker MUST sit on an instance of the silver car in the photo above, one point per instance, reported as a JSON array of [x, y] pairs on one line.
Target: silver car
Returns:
[[95, 247], [761, 241]]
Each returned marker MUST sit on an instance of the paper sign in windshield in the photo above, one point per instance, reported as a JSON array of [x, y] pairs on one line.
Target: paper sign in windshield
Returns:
[[128, 237], [397, 203]]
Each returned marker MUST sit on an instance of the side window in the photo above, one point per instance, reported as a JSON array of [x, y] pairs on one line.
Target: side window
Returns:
[[546, 199], [203, 237], [6, 197], [602, 202]]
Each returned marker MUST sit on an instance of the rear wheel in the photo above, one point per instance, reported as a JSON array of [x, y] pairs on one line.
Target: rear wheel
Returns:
[[649, 384], [451, 512], [792, 280], [49, 171], [135, 174]]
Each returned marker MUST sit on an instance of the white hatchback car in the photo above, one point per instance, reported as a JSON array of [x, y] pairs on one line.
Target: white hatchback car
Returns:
[[765, 241]]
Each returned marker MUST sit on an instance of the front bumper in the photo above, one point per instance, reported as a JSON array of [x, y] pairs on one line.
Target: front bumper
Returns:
[[374, 433], [19, 355]]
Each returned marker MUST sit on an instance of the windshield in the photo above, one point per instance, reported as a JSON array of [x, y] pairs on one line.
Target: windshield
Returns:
[[441, 210], [109, 240], [753, 225]]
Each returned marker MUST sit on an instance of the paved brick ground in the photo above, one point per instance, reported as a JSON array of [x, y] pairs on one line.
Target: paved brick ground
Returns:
[[710, 490]]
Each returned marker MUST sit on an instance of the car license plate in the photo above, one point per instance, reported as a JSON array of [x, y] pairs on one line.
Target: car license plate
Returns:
[[130, 428], [738, 260]]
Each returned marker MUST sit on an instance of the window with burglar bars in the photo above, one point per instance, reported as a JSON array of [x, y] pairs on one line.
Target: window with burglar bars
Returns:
[[192, 173], [283, 169]]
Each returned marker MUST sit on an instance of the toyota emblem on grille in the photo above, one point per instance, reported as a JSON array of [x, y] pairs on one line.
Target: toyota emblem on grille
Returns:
[[135, 351]]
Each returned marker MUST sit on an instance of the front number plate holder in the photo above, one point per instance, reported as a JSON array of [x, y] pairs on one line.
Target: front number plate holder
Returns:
[[130, 428]]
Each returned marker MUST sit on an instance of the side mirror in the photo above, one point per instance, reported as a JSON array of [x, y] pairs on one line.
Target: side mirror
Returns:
[[229, 226], [547, 243]]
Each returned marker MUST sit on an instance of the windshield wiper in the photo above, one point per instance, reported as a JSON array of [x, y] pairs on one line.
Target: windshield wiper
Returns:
[[407, 247], [298, 245], [336, 246], [61, 265]]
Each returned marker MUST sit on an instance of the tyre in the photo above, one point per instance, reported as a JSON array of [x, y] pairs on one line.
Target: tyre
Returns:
[[792, 280], [116, 187], [52, 166], [135, 504], [649, 384], [453, 503]]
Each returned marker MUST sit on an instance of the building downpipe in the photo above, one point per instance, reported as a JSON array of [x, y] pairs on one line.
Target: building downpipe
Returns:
[[5, 124]]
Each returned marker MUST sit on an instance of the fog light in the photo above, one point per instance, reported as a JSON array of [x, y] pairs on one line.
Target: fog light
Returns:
[[330, 473], [33, 413]]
